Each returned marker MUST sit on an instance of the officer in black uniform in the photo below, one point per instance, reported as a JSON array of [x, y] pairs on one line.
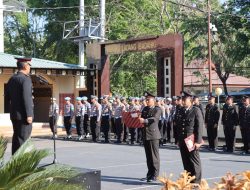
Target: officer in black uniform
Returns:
[[244, 121], [191, 124], [151, 135], [229, 122], [212, 117], [19, 97], [196, 103], [176, 115]]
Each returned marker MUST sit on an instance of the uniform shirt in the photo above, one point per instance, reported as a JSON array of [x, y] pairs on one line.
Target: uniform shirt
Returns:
[[200, 106], [106, 109], [87, 107], [53, 110], [19, 96], [151, 129], [191, 122], [163, 113], [133, 108], [80, 110], [212, 114], [69, 110], [96, 110], [177, 115], [229, 115], [118, 109], [168, 108], [244, 116]]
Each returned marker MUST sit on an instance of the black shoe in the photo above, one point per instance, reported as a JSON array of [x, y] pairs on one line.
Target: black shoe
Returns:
[[118, 142], [151, 179], [106, 141]]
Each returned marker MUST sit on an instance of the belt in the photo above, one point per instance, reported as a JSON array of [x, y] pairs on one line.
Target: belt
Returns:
[[118, 117], [93, 116], [105, 114]]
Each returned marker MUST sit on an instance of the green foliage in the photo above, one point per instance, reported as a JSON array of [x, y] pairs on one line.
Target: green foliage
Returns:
[[21, 172], [39, 33]]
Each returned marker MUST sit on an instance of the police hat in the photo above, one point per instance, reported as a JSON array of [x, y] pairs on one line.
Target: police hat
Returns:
[[211, 96], [93, 97], [53, 99], [105, 96], [142, 98], [78, 98], [229, 97], [84, 98], [101, 98], [185, 94], [22, 60], [67, 98], [245, 97], [123, 98], [148, 95], [169, 99], [137, 99]]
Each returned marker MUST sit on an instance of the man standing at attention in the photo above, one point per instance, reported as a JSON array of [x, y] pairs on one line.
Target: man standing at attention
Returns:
[[191, 124], [151, 135], [19, 97]]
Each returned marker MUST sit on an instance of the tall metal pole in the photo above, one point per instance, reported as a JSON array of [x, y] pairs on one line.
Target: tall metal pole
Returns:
[[81, 42], [209, 49], [102, 19], [1, 27]]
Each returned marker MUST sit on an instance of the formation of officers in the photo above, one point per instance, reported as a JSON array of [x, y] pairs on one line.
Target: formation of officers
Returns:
[[93, 117]]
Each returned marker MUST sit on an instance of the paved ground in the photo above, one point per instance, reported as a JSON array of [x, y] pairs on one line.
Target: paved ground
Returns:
[[123, 165]]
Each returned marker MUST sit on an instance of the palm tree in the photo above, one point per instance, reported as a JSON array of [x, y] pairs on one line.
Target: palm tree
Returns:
[[21, 171]]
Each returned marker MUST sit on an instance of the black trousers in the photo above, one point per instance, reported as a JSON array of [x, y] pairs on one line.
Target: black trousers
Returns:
[[133, 133], [125, 133], [139, 135], [79, 125], [245, 132], [105, 127], [112, 122], [153, 158], [212, 135], [229, 132], [86, 124], [191, 161], [52, 124], [67, 124], [175, 133], [168, 131], [160, 126], [119, 128], [22, 131], [95, 129]]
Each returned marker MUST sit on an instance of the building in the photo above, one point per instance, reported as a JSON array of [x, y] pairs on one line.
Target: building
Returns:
[[49, 78], [196, 79]]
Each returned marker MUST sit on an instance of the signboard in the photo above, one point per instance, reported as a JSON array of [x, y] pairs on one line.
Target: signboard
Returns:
[[133, 46]]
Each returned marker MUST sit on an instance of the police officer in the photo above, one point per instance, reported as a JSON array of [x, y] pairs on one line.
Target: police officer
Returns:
[[106, 115], [175, 114], [196, 103], [229, 122], [53, 117], [68, 116], [132, 130], [212, 117], [162, 118], [244, 121], [191, 123], [151, 135], [79, 117], [95, 118], [168, 123], [19, 97], [87, 107], [125, 128], [118, 109]]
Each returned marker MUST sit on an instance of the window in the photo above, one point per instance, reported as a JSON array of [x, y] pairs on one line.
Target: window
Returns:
[[167, 72], [167, 90], [167, 81]]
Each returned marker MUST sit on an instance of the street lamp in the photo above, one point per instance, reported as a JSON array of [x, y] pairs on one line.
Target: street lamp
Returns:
[[218, 92]]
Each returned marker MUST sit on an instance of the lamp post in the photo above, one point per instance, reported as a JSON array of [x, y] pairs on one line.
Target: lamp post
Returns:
[[218, 92]]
